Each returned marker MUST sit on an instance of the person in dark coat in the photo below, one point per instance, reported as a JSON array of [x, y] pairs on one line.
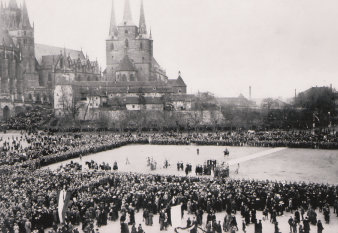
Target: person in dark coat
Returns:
[[188, 222], [133, 229], [276, 228], [320, 227], [124, 227], [297, 216], [306, 224], [260, 227], [139, 229]]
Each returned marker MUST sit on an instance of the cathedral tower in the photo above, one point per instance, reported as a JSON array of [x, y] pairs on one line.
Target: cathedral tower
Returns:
[[22, 33], [132, 45]]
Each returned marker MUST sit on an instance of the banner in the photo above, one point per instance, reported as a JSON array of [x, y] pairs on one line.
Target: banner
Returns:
[[176, 220], [63, 200]]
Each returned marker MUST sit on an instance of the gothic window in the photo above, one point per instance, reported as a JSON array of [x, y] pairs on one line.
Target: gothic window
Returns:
[[141, 46], [112, 46], [126, 42], [142, 59], [132, 77], [88, 78], [49, 77], [24, 33], [124, 78], [38, 98], [30, 97]]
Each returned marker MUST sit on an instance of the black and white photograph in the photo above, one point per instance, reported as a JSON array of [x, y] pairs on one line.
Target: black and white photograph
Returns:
[[180, 116]]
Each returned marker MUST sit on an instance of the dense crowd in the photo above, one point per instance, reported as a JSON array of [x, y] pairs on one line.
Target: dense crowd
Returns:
[[28, 195], [28, 200], [28, 120], [41, 149]]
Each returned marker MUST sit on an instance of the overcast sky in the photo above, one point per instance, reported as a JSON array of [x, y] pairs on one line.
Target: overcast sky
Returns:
[[221, 46]]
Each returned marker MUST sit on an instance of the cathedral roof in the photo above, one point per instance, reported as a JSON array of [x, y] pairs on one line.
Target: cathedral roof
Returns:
[[47, 50], [180, 81], [126, 65], [177, 82]]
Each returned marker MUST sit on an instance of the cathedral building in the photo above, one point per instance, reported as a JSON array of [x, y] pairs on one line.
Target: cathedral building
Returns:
[[35, 74], [129, 51], [29, 71], [132, 80], [129, 54]]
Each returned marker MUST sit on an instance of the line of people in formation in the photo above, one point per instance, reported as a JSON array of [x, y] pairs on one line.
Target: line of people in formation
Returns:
[[28, 201], [42, 148]]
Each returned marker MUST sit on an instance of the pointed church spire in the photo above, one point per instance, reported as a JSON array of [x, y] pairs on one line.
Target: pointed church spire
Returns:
[[13, 4], [24, 17], [1, 11], [127, 17], [142, 23], [113, 28]]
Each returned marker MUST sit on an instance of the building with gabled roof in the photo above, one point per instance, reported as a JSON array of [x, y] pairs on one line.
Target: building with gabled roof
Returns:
[[29, 71], [129, 53], [132, 73]]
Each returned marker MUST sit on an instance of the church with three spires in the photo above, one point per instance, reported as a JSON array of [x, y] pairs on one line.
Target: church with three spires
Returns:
[[130, 59], [129, 50], [36, 74], [132, 80]]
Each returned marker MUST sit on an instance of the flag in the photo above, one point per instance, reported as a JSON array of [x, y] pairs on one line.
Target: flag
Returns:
[[63, 201], [176, 220]]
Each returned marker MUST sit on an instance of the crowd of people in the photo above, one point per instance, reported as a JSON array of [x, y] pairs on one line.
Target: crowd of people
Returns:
[[28, 199], [29, 120], [44, 148], [28, 195]]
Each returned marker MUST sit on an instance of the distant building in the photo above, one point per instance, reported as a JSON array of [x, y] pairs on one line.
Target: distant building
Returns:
[[132, 80], [273, 104], [237, 102], [29, 71]]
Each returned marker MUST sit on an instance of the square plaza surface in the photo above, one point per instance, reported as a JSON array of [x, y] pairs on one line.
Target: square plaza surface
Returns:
[[283, 164]]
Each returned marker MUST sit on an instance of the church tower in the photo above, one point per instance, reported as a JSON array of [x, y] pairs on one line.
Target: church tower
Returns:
[[129, 46], [22, 33]]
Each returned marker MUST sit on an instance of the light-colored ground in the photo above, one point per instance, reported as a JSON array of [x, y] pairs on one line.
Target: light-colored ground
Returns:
[[320, 166], [137, 156], [9, 136]]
